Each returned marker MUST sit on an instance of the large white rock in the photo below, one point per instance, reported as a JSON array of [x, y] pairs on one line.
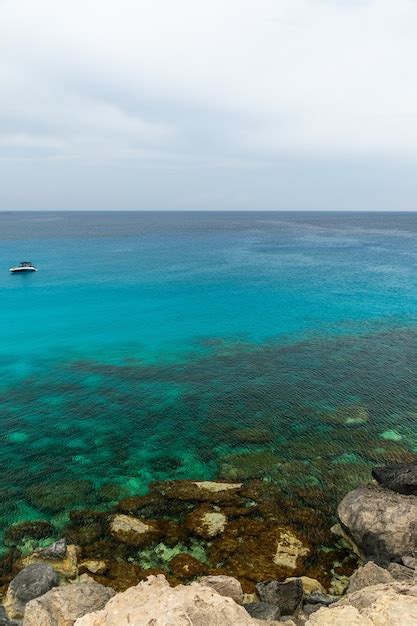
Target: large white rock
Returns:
[[63, 605], [154, 603], [392, 604]]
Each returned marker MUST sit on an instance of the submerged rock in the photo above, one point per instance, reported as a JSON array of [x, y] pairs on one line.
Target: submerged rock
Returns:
[[206, 521], [36, 529], [185, 566], [154, 602], [56, 550], [63, 605], [31, 582], [200, 491], [382, 523], [134, 531], [56, 497], [400, 477]]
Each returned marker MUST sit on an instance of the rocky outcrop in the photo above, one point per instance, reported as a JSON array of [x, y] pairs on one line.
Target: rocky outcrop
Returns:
[[63, 605], [154, 602], [382, 523], [225, 586], [400, 477], [367, 575], [31, 582], [393, 604]]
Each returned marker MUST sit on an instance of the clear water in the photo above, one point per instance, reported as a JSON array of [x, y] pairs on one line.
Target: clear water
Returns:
[[148, 346]]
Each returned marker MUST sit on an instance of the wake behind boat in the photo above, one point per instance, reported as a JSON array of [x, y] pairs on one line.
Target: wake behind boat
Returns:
[[23, 267]]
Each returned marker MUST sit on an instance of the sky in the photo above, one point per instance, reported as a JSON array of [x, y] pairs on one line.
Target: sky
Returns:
[[208, 105]]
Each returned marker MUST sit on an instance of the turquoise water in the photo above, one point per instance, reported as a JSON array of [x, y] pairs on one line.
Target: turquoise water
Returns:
[[148, 346]]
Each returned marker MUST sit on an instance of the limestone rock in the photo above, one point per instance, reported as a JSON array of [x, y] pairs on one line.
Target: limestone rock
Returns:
[[339, 616], [63, 605], [400, 477], [206, 522], [31, 582], [310, 585], [154, 602], [134, 531], [263, 611], [381, 522], [287, 595], [289, 550], [66, 566], [367, 575], [225, 586], [93, 566]]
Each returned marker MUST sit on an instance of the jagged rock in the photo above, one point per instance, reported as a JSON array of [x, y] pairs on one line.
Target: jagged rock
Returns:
[[400, 477], [55, 551], [288, 595], [367, 575], [66, 566], [225, 586], [134, 531], [393, 604], [63, 605], [31, 582], [154, 602], [263, 611], [381, 522], [401, 572]]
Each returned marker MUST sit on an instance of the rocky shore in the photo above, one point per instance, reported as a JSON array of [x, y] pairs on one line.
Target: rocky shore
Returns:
[[221, 553]]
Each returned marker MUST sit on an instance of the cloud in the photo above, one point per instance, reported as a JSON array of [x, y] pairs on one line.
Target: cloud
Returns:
[[160, 86]]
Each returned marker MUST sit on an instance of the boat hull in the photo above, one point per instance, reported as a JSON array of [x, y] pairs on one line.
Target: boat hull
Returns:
[[22, 270]]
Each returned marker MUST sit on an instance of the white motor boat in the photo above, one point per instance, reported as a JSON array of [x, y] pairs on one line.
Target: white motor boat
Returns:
[[23, 268]]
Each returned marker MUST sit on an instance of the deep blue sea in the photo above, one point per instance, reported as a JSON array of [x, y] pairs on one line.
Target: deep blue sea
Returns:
[[280, 346]]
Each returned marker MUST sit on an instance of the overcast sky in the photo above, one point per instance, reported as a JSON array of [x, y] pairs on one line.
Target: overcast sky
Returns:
[[214, 104]]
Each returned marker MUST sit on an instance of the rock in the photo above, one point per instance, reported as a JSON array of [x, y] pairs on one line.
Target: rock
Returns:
[[66, 566], [134, 531], [56, 497], [5, 621], [31, 582], [93, 566], [409, 561], [186, 566], [321, 598], [55, 551], [63, 605], [206, 522], [154, 602], [310, 585], [263, 610], [225, 586], [289, 550], [309, 609], [399, 477], [381, 522], [392, 604], [288, 595], [400, 572], [200, 491], [37, 529], [367, 575]]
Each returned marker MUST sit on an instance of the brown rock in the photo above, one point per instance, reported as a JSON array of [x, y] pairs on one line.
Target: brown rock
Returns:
[[225, 586], [134, 531], [185, 566], [206, 521]]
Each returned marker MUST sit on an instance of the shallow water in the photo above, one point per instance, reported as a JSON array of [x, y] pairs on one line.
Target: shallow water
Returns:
[[187, 345]]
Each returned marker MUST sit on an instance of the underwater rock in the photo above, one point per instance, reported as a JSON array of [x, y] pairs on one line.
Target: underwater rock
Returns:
[[200, 491], [84, 535], [36, 529], [263, 611], [66, 566], [252, 435], [225, 586], [367, 575], [56, 497], [246, 465], [94, 567], [206, 521], [56, 550], [31, 582], [63, 605], [185, 566], [381, 522], [153, 600], [134, 531], [288, 595], [400, 477]]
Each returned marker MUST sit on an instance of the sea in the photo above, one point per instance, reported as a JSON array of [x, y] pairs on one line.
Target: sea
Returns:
[[275, 346]]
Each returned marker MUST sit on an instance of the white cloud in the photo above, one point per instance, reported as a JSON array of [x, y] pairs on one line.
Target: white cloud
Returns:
[[198, 80]]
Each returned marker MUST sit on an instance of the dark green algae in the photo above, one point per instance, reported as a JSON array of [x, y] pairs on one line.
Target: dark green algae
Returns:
[[310, 418]]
